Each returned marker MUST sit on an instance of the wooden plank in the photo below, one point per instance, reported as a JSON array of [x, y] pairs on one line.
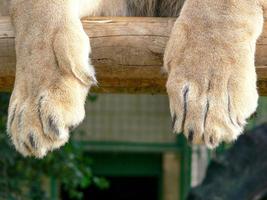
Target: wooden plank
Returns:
[[127, 54]]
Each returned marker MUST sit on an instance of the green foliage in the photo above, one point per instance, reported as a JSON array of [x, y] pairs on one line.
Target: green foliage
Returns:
[[28, 178]]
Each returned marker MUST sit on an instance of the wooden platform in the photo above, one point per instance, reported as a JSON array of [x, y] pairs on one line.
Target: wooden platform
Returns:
[[127, 54]]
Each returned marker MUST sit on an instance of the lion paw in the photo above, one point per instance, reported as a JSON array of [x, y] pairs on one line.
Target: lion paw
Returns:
[[211, 85], [209, 111], [40, 121], [53, 77]]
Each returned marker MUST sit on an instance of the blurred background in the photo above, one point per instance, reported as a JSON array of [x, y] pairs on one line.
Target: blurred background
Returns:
[[124, 150]]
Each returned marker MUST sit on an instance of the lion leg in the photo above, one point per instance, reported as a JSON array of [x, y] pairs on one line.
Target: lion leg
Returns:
[[53, 74], [210, 62]]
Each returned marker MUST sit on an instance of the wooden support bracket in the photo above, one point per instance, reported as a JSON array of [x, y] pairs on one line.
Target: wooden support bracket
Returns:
[[127, 54]]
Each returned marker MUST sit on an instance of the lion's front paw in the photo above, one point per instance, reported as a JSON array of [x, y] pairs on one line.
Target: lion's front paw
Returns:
[[41, 120], [210, 62], [209, 109], [53, 77], [211, 86]]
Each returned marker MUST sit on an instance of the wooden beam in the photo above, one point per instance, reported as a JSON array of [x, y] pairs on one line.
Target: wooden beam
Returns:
[[127, 54]]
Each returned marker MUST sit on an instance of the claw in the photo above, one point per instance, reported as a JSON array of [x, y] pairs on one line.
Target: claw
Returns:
[[206, 113], [26, 146], [20, 118], [174, 121], [53, 126], [211, 140], [39, 111], [12, 116], [186, 90], [191, 136], [32, 141]]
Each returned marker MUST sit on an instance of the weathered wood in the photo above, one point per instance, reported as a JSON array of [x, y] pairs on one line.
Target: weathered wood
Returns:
[[127, 54]]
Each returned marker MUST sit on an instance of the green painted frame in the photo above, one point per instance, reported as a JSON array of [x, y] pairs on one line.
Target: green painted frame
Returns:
[[145, 151]]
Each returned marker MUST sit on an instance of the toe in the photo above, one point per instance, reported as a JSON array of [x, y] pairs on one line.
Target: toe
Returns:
[[213, 137], [35, 144], [178, 93], [197, 104], [219, 126]]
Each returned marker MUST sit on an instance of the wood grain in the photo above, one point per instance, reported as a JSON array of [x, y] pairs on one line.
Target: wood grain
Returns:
[[127, 54]]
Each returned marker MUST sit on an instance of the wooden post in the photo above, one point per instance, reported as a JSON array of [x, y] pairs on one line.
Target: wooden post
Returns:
[[171, 176], [127, 54]]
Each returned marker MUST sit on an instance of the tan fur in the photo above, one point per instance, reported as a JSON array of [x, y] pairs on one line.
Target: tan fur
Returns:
[[209, 59]]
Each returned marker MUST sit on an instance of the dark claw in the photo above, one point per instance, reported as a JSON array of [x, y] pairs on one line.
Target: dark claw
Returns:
[[20, 119], [191, 136], [254, 115], [26, 146], [211, 140], [13, 116], [39, 111], [32, 141], [71, 128], [206, 113], [53, 125], [186, 90], [174, 121]]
